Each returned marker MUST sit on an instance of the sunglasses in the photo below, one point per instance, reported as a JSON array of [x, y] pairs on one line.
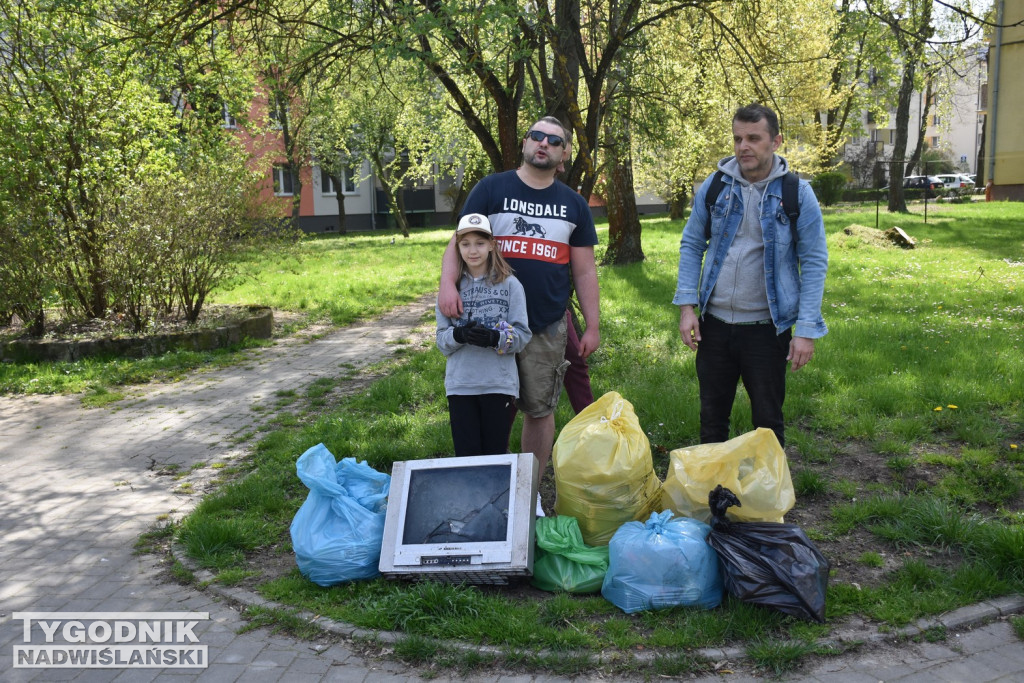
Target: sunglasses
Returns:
[[538, 136]]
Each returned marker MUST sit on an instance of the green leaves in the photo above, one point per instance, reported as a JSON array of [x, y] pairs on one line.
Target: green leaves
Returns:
[[88, 114]]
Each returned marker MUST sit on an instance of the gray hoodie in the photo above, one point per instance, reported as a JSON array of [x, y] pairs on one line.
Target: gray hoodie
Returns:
[[740, 295], [473, 370]]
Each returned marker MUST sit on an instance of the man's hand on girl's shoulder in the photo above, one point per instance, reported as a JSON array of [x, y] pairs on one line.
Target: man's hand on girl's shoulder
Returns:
[[449, 301]]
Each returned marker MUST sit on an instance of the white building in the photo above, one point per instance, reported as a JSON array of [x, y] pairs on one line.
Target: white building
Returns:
[[954, 126]]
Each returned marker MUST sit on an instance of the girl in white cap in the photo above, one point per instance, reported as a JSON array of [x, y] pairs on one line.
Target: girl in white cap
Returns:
[[481, 378]]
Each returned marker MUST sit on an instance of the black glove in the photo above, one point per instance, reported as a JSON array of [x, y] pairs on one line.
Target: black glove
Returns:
[[459, 333], [483, 336]]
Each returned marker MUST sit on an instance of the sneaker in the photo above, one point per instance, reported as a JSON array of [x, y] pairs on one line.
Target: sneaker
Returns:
[[540, 510]]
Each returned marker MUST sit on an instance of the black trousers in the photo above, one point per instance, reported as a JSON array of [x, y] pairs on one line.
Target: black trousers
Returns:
[[729, 353], [480, 424]]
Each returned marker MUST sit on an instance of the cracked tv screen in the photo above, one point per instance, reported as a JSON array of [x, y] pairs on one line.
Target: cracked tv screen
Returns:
[[458, 505]]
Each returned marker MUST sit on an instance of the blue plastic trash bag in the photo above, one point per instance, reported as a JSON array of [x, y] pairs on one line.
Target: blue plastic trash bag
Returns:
[[337, 533], [662, 563]]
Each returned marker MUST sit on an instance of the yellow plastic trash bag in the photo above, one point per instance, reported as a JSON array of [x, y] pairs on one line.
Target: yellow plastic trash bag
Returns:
[[753, 466], [604, 476]]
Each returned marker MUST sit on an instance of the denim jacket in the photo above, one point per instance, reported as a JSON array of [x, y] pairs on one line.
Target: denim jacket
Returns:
[[794, 274]]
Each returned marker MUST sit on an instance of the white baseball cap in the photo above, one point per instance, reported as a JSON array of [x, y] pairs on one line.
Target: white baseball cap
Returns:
[[473, 222]]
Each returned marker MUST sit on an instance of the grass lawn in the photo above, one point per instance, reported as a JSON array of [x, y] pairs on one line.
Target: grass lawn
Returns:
[[905, 437], [335, 279], [343, 278]]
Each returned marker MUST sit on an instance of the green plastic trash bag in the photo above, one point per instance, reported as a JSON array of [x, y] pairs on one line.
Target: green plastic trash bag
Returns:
[[563, 561]]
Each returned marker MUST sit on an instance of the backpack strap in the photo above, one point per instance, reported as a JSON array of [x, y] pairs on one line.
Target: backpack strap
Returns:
[[715, 189], [790, 200]]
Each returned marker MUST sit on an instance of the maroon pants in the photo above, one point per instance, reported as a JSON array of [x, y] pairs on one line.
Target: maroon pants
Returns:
[[577, 376]]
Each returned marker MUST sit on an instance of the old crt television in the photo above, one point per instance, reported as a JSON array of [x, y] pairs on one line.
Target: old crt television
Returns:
[[465, 520]]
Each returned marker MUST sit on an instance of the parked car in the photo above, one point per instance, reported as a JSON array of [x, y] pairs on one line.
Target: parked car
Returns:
[[956, 181], [922, 182], [928, 183]]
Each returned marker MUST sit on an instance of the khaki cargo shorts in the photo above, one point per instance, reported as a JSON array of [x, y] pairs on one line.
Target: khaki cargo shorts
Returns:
[[542, 367]]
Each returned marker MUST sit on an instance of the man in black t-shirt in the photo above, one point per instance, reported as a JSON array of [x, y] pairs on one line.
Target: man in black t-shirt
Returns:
[[546, 232]]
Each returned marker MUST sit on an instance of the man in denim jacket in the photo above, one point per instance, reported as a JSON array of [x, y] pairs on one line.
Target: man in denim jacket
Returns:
[[759, 280]]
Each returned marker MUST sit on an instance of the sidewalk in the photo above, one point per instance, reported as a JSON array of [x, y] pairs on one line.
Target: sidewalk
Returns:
[[79, 486]]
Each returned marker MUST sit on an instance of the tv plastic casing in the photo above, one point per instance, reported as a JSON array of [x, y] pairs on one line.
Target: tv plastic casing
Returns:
[[448, 519]]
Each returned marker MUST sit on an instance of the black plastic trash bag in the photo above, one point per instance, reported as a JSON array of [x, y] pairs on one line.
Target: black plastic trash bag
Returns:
[[768, 563]]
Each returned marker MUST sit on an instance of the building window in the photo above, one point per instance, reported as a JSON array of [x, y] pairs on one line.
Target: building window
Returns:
[[351, 176], [326, 183], [229, 120], [178, 101], [276, 114], [283, 185], [892, 137], [348, 181]]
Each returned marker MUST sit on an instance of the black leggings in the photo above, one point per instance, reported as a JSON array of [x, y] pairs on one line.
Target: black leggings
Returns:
[[480, 424]]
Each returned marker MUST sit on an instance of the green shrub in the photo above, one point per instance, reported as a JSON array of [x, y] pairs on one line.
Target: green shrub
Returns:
[[863, 195], [882, 194], [828, 187], [27, 273]]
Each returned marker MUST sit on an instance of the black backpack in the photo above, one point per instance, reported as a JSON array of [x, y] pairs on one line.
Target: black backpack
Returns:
[[790, 200]]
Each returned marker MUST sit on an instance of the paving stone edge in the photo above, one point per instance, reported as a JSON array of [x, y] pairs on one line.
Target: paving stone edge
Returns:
[[851, 635]]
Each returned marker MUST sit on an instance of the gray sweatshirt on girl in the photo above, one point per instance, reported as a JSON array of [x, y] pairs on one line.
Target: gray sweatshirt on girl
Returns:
[[473, 370]]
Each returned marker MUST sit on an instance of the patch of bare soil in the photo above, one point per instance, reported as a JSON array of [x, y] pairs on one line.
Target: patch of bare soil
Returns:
[[863, 473]]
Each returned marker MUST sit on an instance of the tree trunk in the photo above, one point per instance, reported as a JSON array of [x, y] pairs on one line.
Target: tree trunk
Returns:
[[897, 203], [835, 119], [922, 128], [397, 200], [296, 196], [94, 295], [623, 221], [458, 201], [508, 136], [677, 204], [295, 160], [979, 169], [37, 327], [560, 93], [910, 32], [340, 195]]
